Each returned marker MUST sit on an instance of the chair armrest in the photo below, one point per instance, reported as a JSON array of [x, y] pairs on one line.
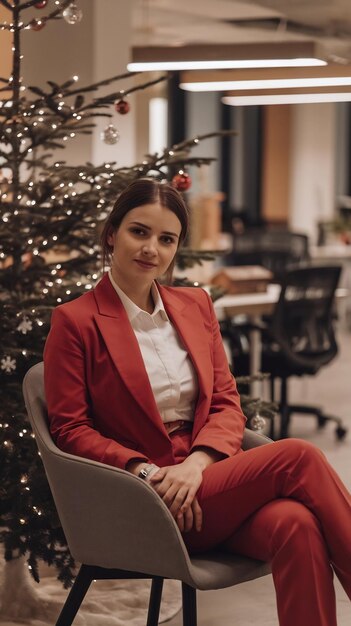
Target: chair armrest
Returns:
[[252, 439]]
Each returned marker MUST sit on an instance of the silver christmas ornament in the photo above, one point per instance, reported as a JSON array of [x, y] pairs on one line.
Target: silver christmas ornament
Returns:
[[110, 135], [257, 422], [72, 14]]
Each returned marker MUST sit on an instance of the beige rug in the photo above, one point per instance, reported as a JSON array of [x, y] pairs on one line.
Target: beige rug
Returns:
[[107, 603]]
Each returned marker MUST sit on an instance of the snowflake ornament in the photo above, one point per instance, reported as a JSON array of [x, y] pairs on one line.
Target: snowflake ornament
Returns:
[[25, 326], [8, 364]]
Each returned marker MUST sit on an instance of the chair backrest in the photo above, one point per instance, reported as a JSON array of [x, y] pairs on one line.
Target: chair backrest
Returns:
[[110, 517], [274, 249], [302, 321]]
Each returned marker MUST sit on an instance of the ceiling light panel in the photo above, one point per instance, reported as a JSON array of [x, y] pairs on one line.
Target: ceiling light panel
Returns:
[[299, 98], [225, 56]]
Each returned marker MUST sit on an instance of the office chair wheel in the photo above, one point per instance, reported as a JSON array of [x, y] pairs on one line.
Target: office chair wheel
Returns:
[[340, 432]]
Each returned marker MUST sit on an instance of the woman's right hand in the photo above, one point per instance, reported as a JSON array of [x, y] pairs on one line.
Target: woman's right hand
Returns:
[[185, 519]]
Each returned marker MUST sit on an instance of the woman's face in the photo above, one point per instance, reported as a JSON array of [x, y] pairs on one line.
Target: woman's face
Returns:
[[144, 245]]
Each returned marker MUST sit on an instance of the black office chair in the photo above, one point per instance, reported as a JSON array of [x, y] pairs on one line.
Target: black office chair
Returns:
[[298, 339], [276, 250]]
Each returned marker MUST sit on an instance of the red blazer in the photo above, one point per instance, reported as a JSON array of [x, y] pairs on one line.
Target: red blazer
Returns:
[[99, 398]]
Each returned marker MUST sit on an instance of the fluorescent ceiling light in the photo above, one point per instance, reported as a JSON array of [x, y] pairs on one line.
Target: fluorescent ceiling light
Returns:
[[154, 66], [224, 56], [280, 83], [298, 98]]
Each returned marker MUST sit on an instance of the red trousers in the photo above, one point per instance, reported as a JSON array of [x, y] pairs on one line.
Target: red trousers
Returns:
[[282, 503]]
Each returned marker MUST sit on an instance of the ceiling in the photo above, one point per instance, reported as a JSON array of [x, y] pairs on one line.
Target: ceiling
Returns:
[[180, 22]]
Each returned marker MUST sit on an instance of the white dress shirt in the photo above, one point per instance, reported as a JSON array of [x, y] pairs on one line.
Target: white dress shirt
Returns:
[[171, 373]]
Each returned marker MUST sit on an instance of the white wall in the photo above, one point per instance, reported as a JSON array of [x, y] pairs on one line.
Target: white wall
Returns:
[[312, 166], [111, 37], [95, 49]]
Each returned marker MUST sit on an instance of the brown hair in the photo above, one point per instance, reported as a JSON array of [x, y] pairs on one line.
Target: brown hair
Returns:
[[140, 192]]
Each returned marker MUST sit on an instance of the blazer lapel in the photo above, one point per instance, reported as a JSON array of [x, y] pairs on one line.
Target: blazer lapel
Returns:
[[123, 347]]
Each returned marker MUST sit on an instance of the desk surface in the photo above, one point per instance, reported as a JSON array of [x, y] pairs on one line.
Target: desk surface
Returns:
[[249, 303]]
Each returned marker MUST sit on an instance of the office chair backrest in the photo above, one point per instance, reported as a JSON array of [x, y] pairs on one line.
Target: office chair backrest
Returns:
[[302, 321], [274, 249]]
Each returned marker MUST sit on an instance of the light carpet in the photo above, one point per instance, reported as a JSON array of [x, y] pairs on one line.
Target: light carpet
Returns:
[[107, 603]]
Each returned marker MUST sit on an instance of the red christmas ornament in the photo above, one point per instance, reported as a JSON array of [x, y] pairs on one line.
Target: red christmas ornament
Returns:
[[181, 181], [122, 106], [345, 238], [37, 24], [41, 5]]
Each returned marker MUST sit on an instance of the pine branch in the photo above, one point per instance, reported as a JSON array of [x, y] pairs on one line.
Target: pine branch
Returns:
[[187, 257], [51, 16], [67, 121], [102, 83], [179, 153], [189, 143]]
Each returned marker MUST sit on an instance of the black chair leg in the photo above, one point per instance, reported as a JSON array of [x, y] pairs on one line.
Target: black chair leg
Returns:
[[155, 601], [75, 597], [272, 429], [272, 385], [189, 605], [284, 410], [284, 423], [322, 418]]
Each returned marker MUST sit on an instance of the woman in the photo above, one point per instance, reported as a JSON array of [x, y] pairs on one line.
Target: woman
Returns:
[[136, 377]]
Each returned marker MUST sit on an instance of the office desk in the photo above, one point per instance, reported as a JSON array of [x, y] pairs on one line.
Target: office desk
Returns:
[[254, 305]]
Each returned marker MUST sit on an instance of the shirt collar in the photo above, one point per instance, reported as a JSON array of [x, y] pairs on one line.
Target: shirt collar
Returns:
[[132, 309]]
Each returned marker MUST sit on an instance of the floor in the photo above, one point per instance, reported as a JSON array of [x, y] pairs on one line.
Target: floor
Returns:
[[254, 602]]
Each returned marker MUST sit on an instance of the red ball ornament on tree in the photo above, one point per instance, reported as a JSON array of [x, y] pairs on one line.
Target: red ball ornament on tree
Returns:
[[41, 5], [181, 181], [37, 24], [122, 106]]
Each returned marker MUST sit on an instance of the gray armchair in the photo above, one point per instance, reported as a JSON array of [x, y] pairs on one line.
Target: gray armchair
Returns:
[[118, 527]]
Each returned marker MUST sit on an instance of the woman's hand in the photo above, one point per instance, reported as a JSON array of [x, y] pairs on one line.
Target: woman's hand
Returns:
[[178, 484], [192, 518]]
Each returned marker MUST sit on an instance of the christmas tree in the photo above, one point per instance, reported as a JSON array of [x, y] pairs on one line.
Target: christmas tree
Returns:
[[49, 223]]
